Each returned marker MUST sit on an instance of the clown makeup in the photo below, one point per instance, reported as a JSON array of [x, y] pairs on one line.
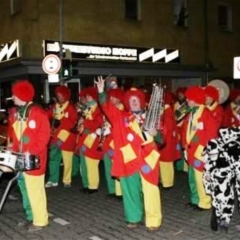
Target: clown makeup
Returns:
[[114, 101], [134, 104], [191, 103], [89, 98], [209, 101], [60, 98], [17, 101]]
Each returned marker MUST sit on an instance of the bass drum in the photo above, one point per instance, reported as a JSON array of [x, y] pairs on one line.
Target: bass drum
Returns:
[[222, 88]]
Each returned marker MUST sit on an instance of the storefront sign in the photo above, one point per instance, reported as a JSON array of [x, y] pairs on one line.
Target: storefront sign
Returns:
[[9, 51], [113, 53]]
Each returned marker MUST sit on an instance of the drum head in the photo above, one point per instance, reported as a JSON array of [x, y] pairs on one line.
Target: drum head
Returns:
[[5, 169]]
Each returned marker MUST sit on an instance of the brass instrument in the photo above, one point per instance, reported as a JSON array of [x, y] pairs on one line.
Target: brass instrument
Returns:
[[222, 88], [155, 109], [181, 112]]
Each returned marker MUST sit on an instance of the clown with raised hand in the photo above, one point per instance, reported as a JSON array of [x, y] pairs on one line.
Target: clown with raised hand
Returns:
[[63, 117], [29, 134], [135, 158]]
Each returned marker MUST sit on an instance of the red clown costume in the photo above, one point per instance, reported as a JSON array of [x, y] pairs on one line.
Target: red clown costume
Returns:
[[115, 96], [135, 160], [63, 117], [170, 151], [180, 112], [29, 134], [198, 128], [231, 117], [89, 141], [212, 103]]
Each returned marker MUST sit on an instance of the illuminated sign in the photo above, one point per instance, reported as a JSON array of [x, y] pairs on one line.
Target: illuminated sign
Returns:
[[114, 53], [9, 51]]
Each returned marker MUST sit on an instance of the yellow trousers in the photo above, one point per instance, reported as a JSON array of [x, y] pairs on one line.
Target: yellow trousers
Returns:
[[204, 199], [92, 172], [152, 204], [67, 158], [167, 173], [118, 190], [37, 198]]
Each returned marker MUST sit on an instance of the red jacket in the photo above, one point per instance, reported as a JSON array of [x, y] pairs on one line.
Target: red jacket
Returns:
[[88, 140], [35, 135], [131, 152], [67, 115], [217, 112], [171, 150], [231, 118], [196, 134]]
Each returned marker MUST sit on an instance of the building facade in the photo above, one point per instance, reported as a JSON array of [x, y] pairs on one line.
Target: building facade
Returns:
[[175, 42]]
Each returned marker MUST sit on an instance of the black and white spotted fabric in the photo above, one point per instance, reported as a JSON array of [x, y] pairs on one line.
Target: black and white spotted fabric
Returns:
[[221, 175]]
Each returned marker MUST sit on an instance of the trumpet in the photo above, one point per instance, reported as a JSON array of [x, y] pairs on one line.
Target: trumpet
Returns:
[[181, 112]]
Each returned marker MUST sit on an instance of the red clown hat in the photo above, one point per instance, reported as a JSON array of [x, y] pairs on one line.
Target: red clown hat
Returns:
[[65, 91], [91, 91], [137, 93], [212, 92], [196, 94], [24, 90], [117, 93]]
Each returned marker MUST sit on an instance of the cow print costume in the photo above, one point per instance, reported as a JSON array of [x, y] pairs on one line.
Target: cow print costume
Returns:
[[221, 175]]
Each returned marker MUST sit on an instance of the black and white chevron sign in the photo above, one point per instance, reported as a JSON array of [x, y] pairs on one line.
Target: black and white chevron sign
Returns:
[[9, 51], [159, 55]]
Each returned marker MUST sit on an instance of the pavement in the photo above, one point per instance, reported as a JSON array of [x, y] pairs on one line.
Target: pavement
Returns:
[[78, 216]]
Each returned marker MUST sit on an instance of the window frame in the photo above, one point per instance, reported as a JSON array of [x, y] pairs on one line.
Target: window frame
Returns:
[[228, 26], [138, 11]]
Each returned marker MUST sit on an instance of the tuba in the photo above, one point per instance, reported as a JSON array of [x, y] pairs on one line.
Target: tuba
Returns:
[[222, 88], [155, 109]]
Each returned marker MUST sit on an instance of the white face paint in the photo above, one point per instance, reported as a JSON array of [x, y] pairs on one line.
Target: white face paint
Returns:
[[60, 98], [17, 101], [208, 101], [191, 103], [134, 104]]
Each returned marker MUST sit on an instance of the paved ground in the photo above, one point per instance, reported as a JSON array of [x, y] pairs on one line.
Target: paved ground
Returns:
[[79, 216]]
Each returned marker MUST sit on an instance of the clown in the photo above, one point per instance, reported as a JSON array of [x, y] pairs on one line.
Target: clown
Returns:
[[170, 151], [135, 159], [63, 116], [88, 141], [198, 128], [115, 96], [231, 116], [29, 133], [180, 112], [212, 103]]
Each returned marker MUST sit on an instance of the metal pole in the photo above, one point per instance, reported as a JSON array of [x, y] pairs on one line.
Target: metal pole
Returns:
[[61, 35], [5, 194], [206, 41]]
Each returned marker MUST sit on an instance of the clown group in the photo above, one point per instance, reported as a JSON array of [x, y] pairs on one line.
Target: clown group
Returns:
[[108, 126]]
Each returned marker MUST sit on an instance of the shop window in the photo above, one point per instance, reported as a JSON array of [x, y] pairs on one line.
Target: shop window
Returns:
[[15, 6], [180, 13], [132, 9], [225, 17]]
